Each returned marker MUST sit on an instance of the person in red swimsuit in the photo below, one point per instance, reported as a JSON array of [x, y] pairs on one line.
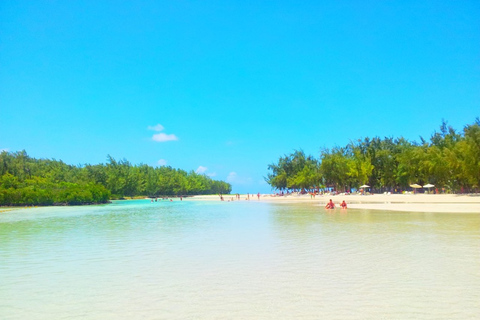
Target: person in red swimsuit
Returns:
[[330, 205], [343, 205]]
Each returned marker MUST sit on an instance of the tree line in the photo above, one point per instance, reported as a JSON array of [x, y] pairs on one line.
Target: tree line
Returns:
[[28, 181], [450, 160]]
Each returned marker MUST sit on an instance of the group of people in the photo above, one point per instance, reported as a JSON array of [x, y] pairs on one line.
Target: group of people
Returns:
[[164, 198], [237, 196], [331, 205]]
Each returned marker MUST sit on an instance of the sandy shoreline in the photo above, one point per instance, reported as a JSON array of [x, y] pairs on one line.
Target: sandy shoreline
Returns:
[[394, 202]]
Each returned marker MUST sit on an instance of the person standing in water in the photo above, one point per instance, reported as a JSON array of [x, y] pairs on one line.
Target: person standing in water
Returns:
[[343, 205]]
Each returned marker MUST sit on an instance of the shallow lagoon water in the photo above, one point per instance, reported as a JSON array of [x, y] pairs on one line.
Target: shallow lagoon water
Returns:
[[237, 260]]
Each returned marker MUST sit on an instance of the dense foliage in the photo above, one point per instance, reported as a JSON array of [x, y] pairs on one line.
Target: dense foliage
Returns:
[[450, 160], [28, 181]]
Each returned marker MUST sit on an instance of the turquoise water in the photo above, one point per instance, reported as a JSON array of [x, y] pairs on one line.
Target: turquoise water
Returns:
[[237, 260]]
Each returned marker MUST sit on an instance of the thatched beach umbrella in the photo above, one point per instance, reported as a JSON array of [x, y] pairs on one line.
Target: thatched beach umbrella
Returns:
[[364, 186], [415, 186], [428, 186]]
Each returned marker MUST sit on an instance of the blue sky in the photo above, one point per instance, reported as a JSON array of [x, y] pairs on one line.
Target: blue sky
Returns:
[[227, 87]]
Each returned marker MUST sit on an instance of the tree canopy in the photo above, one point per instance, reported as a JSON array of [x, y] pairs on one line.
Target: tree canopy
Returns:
[[449, 160], [29, 181]]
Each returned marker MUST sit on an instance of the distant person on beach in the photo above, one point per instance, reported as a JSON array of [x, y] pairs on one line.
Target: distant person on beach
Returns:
[[258, 195], [343, 205], [330, 205]]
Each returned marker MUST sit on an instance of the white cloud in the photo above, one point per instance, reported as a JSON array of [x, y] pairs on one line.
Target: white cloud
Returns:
[[162, 162], [201, 170], [162, 137], [157, 127]]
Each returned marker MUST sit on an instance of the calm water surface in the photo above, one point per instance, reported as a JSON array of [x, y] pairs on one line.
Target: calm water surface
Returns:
[[238, 260]]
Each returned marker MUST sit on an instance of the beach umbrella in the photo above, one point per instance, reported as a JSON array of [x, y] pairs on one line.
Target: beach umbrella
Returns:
[[428, 186], [415, 186], [364, 186]]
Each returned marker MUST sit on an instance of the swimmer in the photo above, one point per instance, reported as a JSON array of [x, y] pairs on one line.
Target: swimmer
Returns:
[[330, 205]]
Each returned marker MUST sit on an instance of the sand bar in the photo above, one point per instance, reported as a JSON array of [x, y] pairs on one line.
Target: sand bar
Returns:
[[394, 202]]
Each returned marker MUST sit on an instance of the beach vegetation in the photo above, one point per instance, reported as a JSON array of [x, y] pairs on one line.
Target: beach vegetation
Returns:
[[450, 160], [28, 181]]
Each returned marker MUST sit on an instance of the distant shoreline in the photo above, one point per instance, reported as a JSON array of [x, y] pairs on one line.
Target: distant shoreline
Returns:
[[59, 204], [447, 203], [433, 203]]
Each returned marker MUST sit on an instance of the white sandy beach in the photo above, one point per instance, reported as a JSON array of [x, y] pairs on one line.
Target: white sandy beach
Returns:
[[394, 202]]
